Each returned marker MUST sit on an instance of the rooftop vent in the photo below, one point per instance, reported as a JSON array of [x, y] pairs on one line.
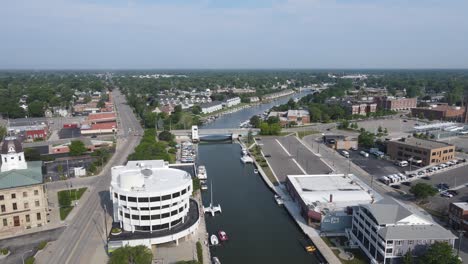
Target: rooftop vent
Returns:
[[146, 172]]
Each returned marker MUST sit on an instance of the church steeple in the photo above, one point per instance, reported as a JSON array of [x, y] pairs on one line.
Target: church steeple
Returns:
[[12, 155]]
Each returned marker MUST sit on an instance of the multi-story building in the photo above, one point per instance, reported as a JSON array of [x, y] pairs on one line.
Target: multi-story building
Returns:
[[458, 216], [211, 107], [151, 203], [254, 99], [420, 151], [233, 101], [359, 108], [23, 200], [300, 117], [440, 112], [386, 230], [395, 104]]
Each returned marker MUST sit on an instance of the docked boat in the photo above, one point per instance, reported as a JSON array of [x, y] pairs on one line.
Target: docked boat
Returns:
[[255, 171], [201, 173], [214, 240], [216, 260], [246, 159], [212, 209], [278, 199], [310, 249], [203, 186], [222, 236]]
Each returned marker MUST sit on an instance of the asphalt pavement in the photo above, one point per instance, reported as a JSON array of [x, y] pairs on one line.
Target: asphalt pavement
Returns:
[[84, 240]]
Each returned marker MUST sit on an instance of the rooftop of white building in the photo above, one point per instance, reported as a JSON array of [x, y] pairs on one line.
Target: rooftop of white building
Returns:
[[148, 176], [343, 190]]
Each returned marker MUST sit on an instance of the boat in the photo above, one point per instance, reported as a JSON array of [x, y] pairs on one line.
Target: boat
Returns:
[[212, 209], [201, 173], [255, 171], [310, 249], [203, 186], [214, 240], [278, 199], [246, 159], [216, 260], [223, 236]]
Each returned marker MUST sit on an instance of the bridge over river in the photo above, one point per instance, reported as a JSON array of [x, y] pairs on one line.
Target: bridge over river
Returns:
[[216, 133]]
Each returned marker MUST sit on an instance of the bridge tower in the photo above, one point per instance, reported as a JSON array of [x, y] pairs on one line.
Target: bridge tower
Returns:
[[195, 136]]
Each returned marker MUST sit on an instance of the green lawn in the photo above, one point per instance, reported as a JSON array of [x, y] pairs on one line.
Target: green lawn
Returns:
[[65, 198], [64, 211], [306, 133]]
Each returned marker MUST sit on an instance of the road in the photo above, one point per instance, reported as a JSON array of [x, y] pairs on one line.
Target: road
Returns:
[[84, 240]]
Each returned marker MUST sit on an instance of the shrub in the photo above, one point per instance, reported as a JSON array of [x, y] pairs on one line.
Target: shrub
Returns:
[[4, 251], [29, 260], [199, 252], [116, 230]]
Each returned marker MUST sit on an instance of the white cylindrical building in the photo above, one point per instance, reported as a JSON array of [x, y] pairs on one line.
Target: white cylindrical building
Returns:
[[149, 196]]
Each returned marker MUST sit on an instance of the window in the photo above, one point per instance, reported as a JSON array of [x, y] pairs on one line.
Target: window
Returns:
[[37, 203], [5, 222], [13, 196], [25, 194], [155, 199], [38, 215], [36, 192], [143, 199], [28, 219], [132, 199], [166, 197], [2, 198], [398, 242], [19, 157], [15, 207], [26, 205], [5, 159], [174, 195], [123, 198], [410, 242], [116, 195], [3, 208]]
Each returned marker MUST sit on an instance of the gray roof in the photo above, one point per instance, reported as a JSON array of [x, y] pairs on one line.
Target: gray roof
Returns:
[[11, 142], [16, 178], [415, 232], [388, 211], [213, 103]]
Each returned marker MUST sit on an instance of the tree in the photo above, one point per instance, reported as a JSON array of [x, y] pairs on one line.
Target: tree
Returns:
[[422, 190], [101, 104], [273, 120], [32, 154], [344, 124], [380, 130], [366, 139], [249, 137], [439, 253], [255, 121], [131, 255], [3, 132], [166, 136], [36, 109], [196, 110], [77, 148], [408, 258]]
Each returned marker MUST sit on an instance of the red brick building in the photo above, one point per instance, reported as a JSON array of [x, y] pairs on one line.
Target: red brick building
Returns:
[[440, 112], [395, 104], [458, 216]]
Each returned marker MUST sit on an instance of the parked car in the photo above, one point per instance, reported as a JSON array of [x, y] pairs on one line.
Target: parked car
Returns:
[[453, 192], [363, 153], [446, 194], [267, 156], [406, 183], [396, 186]]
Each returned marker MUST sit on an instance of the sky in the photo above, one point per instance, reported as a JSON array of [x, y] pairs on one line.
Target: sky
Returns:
[[234, 34]]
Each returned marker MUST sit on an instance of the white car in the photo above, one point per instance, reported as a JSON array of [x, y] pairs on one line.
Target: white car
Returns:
[[446, 194], [365, 154]]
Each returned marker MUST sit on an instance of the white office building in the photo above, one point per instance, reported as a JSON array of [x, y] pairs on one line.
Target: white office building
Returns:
[[386, 230], [150, 197], [233, 101]]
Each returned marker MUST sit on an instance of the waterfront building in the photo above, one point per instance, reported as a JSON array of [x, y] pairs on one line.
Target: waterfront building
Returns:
[[272, 96], [151, 203], [23, 201], [395, 103], [386, 230], [421, 151], [458, 216], [326, 201], [211, 107], [299, 117], [233, 101], [254, 99]]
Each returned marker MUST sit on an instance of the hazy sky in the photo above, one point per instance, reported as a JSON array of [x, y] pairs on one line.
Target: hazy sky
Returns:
[[56, 34]]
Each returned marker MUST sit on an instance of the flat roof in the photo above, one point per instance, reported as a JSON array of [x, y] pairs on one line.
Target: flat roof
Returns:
[[148, 176], [462, 205], [318, 188], [423, 143]]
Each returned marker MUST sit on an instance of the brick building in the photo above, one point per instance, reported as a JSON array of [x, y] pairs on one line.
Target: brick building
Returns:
[[421, 151], [360, 108], [395, 104], [458, 216], [440, 112]]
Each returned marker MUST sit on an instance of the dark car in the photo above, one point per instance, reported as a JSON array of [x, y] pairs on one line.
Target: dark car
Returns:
[[443, 186], [93, 136], [452, 192], [406, 183], [267, 156], [404, 120], [396, 186], [426, 178]]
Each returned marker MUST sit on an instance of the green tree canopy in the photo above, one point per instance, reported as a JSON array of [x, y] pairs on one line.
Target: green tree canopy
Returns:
[[366, 139], [77, 148], [131, 255], [439, 253], [166, 136], [422, 190], [255, 121]]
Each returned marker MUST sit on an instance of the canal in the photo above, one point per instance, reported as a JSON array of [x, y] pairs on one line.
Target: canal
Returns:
[[234, 119], [259, 230]]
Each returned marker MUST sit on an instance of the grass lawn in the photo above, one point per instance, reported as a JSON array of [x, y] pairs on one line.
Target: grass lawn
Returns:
[[269, 174], [359, 257], [64, 211], [306, 133]]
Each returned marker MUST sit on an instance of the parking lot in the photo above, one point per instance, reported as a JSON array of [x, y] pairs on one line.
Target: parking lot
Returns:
[[375, 166], [396, 127]]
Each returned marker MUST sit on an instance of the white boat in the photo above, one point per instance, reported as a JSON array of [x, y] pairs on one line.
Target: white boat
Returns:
[[203, 186], [278, 199], [216, 260], [214, 240], [201, 173], [212, 209], [255, 171], [246, 159]]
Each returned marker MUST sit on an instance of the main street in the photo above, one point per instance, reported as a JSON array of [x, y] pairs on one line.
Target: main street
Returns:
[[84, 240]]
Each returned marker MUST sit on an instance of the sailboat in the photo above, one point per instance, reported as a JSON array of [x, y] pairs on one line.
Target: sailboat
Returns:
[[212, 209]]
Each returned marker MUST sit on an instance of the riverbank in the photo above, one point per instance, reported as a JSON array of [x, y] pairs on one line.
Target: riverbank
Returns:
[[295, 213]]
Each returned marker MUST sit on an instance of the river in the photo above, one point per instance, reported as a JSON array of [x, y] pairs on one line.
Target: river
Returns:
[[234, 119], [259, 230]]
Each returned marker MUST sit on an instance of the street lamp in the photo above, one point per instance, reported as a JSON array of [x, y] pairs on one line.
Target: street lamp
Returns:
[[22, 256]]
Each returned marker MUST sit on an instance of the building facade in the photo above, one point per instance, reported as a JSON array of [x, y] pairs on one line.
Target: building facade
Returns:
[[211, 107], [23, 200], [440, 112], [458, 216], [233, 101], [421, 151], [385, 231], [396, 104]]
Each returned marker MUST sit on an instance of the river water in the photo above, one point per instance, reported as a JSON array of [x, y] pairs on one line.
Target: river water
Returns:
[[233, 120], [259, 230]]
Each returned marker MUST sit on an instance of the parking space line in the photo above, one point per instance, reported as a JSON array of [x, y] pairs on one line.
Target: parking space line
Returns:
[[303, 171], [285, 150]]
